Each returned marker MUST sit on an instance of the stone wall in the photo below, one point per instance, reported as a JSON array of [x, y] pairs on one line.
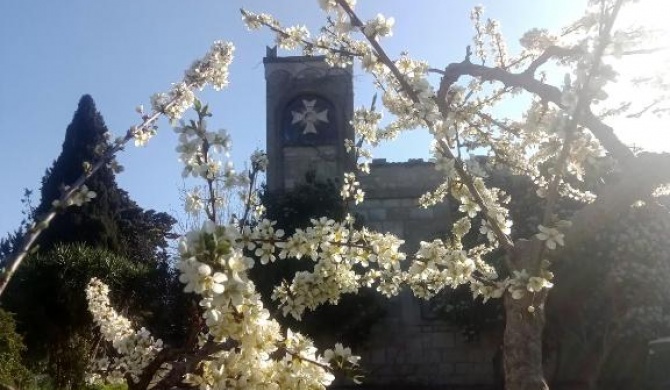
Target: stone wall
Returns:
[[409, 346]]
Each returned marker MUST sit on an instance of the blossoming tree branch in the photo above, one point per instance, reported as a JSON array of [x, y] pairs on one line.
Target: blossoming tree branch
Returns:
[[236, 343]]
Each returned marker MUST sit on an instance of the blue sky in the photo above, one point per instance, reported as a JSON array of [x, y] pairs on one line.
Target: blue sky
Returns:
[[121, 52]]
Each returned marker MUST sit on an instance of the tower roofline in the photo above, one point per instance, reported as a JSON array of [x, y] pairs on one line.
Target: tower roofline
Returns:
[[271, 56], [271, 60]]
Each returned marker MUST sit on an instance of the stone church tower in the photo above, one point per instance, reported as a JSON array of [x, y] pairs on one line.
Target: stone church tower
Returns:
[[309, 106]]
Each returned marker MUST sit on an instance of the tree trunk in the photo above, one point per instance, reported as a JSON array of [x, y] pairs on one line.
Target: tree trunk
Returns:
[[523, 343]]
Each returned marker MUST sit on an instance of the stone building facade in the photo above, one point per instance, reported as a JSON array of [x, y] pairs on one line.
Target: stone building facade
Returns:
[[309, 106]]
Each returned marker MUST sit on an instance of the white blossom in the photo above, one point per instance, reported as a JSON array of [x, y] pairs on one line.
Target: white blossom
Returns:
[[550, 236]]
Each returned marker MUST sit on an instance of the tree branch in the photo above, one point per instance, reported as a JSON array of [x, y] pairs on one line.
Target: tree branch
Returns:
[[188, 362], [604, 133], [549, 53], [505, 240]]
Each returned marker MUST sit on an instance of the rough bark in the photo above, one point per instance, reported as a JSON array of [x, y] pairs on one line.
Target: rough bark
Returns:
[[523, 343]]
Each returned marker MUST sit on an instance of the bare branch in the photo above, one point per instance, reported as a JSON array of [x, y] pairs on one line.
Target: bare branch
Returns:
[[646, 109], [549, 53], [600, 130], [644, 51]]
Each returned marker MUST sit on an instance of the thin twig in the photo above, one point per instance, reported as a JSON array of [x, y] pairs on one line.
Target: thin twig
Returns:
[[582, 104]]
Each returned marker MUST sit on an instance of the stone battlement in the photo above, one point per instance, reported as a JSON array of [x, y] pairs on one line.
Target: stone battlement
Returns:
[[407, 179]]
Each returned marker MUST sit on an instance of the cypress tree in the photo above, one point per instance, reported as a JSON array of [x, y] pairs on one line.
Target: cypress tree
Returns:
[[94, 223], [112, 220]]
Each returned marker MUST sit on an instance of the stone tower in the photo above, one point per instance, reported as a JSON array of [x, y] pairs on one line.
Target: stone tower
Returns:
[[309, 106]]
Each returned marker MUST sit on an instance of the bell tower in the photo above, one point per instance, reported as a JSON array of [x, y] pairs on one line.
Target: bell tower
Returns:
[[308, 109]]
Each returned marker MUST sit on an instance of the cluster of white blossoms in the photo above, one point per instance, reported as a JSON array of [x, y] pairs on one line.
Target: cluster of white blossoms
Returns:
[[366, 123], [193, 202], [134, 349], [537, 40], [340, 354], [439, 264], [292, 37], [250, 368], [380, 26], [492, 198], [366, 126], [256, 21], [212, 69], [521, 283], [444, 163], [411, 113], [332, 6], [344, 259], [206, 155], [213, 265], [174, 103], [259, 160], [478, 40], [196, 148], [552, 236], [490, 31], [351, 189], [143, 133]]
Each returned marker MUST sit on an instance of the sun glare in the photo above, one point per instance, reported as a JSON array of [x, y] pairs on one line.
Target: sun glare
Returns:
[[650, 61]]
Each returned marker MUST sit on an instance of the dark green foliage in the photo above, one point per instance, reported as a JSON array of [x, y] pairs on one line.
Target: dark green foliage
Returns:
[[108, 387], [605, 314], [112, 220], [351, 319], [8, 244], [48, 296], [12, 370], [12, 240], [48, 293], [311, 199], [84, 143]]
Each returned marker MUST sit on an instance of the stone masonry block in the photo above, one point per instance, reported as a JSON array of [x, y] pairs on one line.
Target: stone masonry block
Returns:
[[376, 214], [421, 213]]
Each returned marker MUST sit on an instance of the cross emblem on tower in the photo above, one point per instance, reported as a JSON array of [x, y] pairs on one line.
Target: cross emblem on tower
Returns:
[[309, 117]]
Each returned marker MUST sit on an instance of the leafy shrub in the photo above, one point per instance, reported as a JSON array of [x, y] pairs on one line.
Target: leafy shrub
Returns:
[[12, 370]]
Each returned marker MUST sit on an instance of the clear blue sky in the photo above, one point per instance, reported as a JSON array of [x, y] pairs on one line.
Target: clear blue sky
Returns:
[[121, 52]]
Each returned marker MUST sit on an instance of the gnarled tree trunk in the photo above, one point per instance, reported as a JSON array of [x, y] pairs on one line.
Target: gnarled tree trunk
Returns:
[[523, 343]]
